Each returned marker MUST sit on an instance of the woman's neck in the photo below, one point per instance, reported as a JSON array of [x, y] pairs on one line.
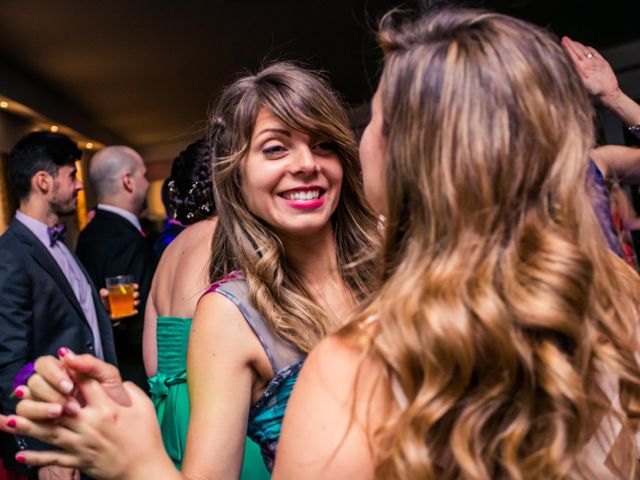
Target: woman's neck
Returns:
[[312, 256], [315, 260]]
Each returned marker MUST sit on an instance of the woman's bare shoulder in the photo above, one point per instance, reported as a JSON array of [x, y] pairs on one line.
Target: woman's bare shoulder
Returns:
[[199, 233], [345, 359], [341, 385], [194, 239]]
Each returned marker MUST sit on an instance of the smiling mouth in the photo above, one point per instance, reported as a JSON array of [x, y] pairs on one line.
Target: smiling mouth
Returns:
[[303, 195]]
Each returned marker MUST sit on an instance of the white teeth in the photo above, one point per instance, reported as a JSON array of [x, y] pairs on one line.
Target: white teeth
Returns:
[[308, 195]]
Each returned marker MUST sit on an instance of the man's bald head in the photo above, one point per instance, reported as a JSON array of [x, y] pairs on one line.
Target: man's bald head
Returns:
[[109, 165]]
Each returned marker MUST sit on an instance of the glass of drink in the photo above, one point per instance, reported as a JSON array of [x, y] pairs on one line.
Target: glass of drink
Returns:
[[121, 295]]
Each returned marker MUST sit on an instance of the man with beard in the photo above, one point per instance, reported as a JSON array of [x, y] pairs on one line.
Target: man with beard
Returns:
[[113, 244], [47, 300]]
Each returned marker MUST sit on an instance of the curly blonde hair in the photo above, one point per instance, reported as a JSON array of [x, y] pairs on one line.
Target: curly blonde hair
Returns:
[[501, 306], [303, 100]]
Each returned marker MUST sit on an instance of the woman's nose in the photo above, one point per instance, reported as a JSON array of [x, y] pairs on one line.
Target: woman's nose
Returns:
[[304, 161]]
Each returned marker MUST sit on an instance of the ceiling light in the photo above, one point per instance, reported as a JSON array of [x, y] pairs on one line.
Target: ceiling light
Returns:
[[88, 145], [54, 128], [4, 104]]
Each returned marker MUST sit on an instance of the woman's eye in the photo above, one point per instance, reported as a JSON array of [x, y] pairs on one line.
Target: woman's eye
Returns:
[[326, 147], [273, 149]]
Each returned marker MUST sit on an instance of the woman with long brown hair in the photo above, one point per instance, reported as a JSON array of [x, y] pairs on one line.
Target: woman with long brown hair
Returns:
[[503, 342]]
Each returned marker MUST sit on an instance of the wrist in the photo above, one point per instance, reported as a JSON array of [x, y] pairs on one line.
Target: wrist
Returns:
[[612, 98], [156, 464]]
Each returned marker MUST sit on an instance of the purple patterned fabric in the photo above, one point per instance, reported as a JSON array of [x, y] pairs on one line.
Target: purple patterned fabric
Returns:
[[23, 375], [602, 207], [57, 232]]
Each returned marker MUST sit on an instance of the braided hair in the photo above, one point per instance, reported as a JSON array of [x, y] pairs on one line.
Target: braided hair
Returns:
[[190, 184]]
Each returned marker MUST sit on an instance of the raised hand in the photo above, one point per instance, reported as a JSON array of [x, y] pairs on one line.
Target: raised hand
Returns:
[[595, 71]]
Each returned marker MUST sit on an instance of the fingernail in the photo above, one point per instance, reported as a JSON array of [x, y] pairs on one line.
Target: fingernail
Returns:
[[20, 458], [66, 386], [62, 351], [54, 410], [72, 407], [18, 393], [11, 423]]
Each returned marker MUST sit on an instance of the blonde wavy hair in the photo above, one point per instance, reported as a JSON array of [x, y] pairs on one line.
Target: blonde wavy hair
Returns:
[[501, 305], [302, 100]]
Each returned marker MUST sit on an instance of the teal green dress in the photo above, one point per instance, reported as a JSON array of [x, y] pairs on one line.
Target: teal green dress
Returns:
[[171, 398]]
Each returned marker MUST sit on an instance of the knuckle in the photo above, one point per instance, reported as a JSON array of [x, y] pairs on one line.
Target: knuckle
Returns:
[[22, 408], [113, 371], [33, 381], [42, 362]]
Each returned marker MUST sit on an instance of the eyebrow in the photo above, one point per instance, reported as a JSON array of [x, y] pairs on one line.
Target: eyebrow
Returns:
[[281, 131]]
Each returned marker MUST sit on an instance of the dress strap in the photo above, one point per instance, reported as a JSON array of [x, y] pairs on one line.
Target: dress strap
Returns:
[[280, 352]]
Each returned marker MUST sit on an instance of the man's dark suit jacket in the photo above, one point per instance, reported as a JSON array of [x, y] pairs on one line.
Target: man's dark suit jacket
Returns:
[[39, 313], [110, 245]]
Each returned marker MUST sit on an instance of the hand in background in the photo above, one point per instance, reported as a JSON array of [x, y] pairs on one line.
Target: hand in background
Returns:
[[104, 298], [596, 73]]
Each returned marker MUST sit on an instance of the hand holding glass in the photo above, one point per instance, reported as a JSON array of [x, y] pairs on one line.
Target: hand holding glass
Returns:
[[121, 296]]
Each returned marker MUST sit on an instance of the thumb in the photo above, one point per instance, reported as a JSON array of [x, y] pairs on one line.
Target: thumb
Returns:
[[138, 397], [106, 374], [93, 392]]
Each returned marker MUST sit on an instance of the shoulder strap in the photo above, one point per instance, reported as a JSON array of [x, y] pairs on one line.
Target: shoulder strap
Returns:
[[280, 352]]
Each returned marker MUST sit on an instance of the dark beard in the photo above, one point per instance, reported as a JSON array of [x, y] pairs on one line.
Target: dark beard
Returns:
[[64, 212], [64, 209]]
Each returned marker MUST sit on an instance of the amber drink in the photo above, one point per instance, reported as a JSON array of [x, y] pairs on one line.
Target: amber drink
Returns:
[[121, 292]]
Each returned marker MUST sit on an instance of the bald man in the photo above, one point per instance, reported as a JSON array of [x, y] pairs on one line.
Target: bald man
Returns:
[[113, 244]]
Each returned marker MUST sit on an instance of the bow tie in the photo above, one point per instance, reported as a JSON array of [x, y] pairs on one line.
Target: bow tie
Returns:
[[56, 233]]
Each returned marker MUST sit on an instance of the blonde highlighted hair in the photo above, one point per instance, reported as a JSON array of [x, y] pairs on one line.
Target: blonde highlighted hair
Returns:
[[501, 305], [302, 100]]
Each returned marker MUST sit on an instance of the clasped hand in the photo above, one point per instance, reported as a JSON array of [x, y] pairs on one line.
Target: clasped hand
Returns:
[[80, 404]]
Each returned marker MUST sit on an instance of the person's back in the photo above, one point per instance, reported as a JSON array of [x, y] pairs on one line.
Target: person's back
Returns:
[[114, 244], [181, 278], [503, 342]]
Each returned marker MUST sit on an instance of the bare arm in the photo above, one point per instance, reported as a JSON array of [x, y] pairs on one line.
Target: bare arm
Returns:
[[601, 81], [619, 161], [221, 349], [220, 378], [149, 343], [333, 442]]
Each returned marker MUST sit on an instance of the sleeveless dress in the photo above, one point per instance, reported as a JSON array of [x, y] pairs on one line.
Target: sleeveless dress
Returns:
[[265, 417], [171, 398]]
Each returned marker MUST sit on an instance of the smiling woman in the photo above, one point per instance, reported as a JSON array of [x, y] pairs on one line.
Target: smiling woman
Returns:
[[291, 180], [292, 254]]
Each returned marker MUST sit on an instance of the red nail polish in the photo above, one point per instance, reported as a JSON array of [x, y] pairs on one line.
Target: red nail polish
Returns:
[[18, 393], [11, 423], [20, 458], [62, 351]]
